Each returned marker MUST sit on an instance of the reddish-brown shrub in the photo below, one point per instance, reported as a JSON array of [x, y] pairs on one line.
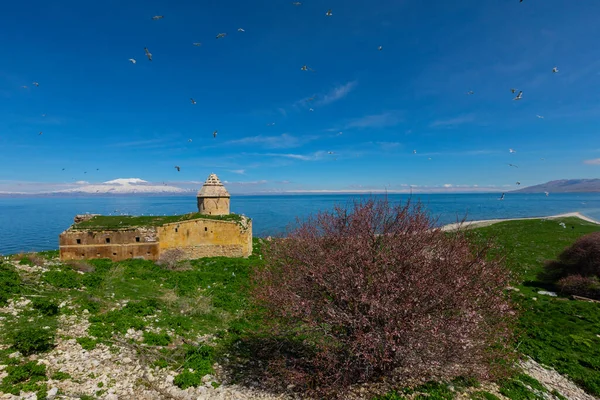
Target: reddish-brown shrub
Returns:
[[586, 286], [169, 259], [377, 291], [581, 258]]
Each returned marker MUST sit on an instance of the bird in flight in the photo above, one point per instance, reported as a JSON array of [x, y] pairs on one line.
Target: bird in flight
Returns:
[[330, 152], [297, 3], [513, 165], [311, 109], [380, 48], [214, 134], [501, 197], [24, 87], [271, 124], [197, 44], [546, 193], [519, 96], [329, 13], [132, 60], [518, 183], [555, 69], [221, 35], [414, 152], [241, 30], [192, 101], [157, 17], [190, 140], [340, 133], [470, 92], [512, 151], [540, 116], [178, 168], [148, 54], [306, 68], [41, 132], [36, 84], [513, 90]]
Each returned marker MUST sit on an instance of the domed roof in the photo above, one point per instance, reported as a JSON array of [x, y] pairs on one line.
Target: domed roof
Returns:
[[213, 188]]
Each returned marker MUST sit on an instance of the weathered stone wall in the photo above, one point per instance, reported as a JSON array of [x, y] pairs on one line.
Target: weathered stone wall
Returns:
[[213, 205], [208, 238], [114, 244]]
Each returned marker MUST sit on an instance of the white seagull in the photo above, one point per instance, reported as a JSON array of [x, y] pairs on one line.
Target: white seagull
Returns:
[[380, 48], [546, 193], [192, 101], [197, 44], [311, 109], [148, 54], [329, 13], [297, 3], [241, 30], [306, 68], [157, 17], [555, 69], [221, 35], [501, 197], [519, 96], [470, 92], [512, 151], [214, 134], [540, 116], [36, 84], [414, 152], [132, 60]]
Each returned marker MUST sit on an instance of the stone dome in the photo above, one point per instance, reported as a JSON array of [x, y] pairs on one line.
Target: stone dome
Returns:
[[213, 188]]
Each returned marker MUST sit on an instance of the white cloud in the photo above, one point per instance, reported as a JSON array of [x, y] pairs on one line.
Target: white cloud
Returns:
[[447, 185], [304, 157], [463, 119], [82, 183], [246, 183], [283, 141], [337, 93], [595, 161], [238, 171], [388, 118]]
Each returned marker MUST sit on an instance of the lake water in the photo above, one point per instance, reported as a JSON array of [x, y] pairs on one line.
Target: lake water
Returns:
[[33, 224]]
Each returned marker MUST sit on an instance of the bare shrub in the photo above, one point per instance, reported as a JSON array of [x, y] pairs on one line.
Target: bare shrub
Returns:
[[378, 292], [81, 266], [169, 259], [581, 258], [586, 286]]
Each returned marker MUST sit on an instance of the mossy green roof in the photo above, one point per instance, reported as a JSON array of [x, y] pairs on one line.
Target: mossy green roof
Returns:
[[104, 222]]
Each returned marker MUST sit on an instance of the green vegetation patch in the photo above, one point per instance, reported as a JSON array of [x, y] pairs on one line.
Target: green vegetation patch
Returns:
[[10, 283], [103, 222], [199, 360], [26, 377], [31, 340]]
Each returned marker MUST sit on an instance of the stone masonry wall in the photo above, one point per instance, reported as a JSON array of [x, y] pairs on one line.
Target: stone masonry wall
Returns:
[[207, 238], [114, 244]]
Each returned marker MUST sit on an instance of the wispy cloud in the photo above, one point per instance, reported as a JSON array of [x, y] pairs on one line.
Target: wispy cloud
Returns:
[[337, 93], [238, 171], [246, 183], [283, 141], [388, 118], [595, 161], [463, 119], [318, 155]]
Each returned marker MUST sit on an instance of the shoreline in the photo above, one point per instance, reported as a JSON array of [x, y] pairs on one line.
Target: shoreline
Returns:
[[487, 222]]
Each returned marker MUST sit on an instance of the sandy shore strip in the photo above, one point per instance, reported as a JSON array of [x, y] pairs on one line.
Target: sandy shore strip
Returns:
[[487, 222]]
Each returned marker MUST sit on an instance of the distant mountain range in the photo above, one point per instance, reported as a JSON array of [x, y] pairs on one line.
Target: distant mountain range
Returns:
[[124, 186], [564, 186]]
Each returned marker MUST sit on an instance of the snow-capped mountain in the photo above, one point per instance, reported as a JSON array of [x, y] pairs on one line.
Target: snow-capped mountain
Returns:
[[123, 186]]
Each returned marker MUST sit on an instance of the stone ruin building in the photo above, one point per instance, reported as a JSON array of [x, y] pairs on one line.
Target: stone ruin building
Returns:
[[212, 231]]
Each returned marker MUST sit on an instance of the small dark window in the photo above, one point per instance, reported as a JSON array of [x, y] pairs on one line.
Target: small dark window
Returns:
[[176, 230], [107, 240], [78, 241], [148, 253], [137, 239], [205, 229], [114, 254]]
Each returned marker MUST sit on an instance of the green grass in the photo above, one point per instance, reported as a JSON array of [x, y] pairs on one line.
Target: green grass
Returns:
[[104, 222]]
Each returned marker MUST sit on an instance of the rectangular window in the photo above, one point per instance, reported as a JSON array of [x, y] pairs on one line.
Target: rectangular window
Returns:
[[137, 239], [107, 240], [78, 241]]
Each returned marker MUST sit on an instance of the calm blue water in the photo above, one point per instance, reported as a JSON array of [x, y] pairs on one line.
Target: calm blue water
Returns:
[[33, 224]]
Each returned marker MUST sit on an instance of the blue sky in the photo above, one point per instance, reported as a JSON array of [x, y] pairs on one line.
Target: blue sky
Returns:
[[114, 119]]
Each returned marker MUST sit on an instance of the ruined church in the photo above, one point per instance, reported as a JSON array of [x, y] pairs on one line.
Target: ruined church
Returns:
[[212, 231]]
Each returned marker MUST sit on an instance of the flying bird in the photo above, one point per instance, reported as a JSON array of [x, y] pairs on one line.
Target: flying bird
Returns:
[[414, 152], [546, 193], [157, 17], [214, 134], [329, 13], [178, 168], [192, 101], [148, 54], [271, 124], [311, 109], [340, 133], [380, 48], [197, 44], [221, 35], [519, 96], [555, 69], [512, 151], [513, 90], [36, 84], [501, 197], [513, 165], [241, 30], [132, 60], [23, 87], [540, 116], [470, 92], [190, 140], [306, 68], [297, 3], [41, 132], [330, 152], [518, 183]]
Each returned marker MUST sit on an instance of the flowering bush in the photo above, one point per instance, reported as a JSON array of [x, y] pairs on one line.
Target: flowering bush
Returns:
[[377, 291], [582, 258], [586, 286]]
